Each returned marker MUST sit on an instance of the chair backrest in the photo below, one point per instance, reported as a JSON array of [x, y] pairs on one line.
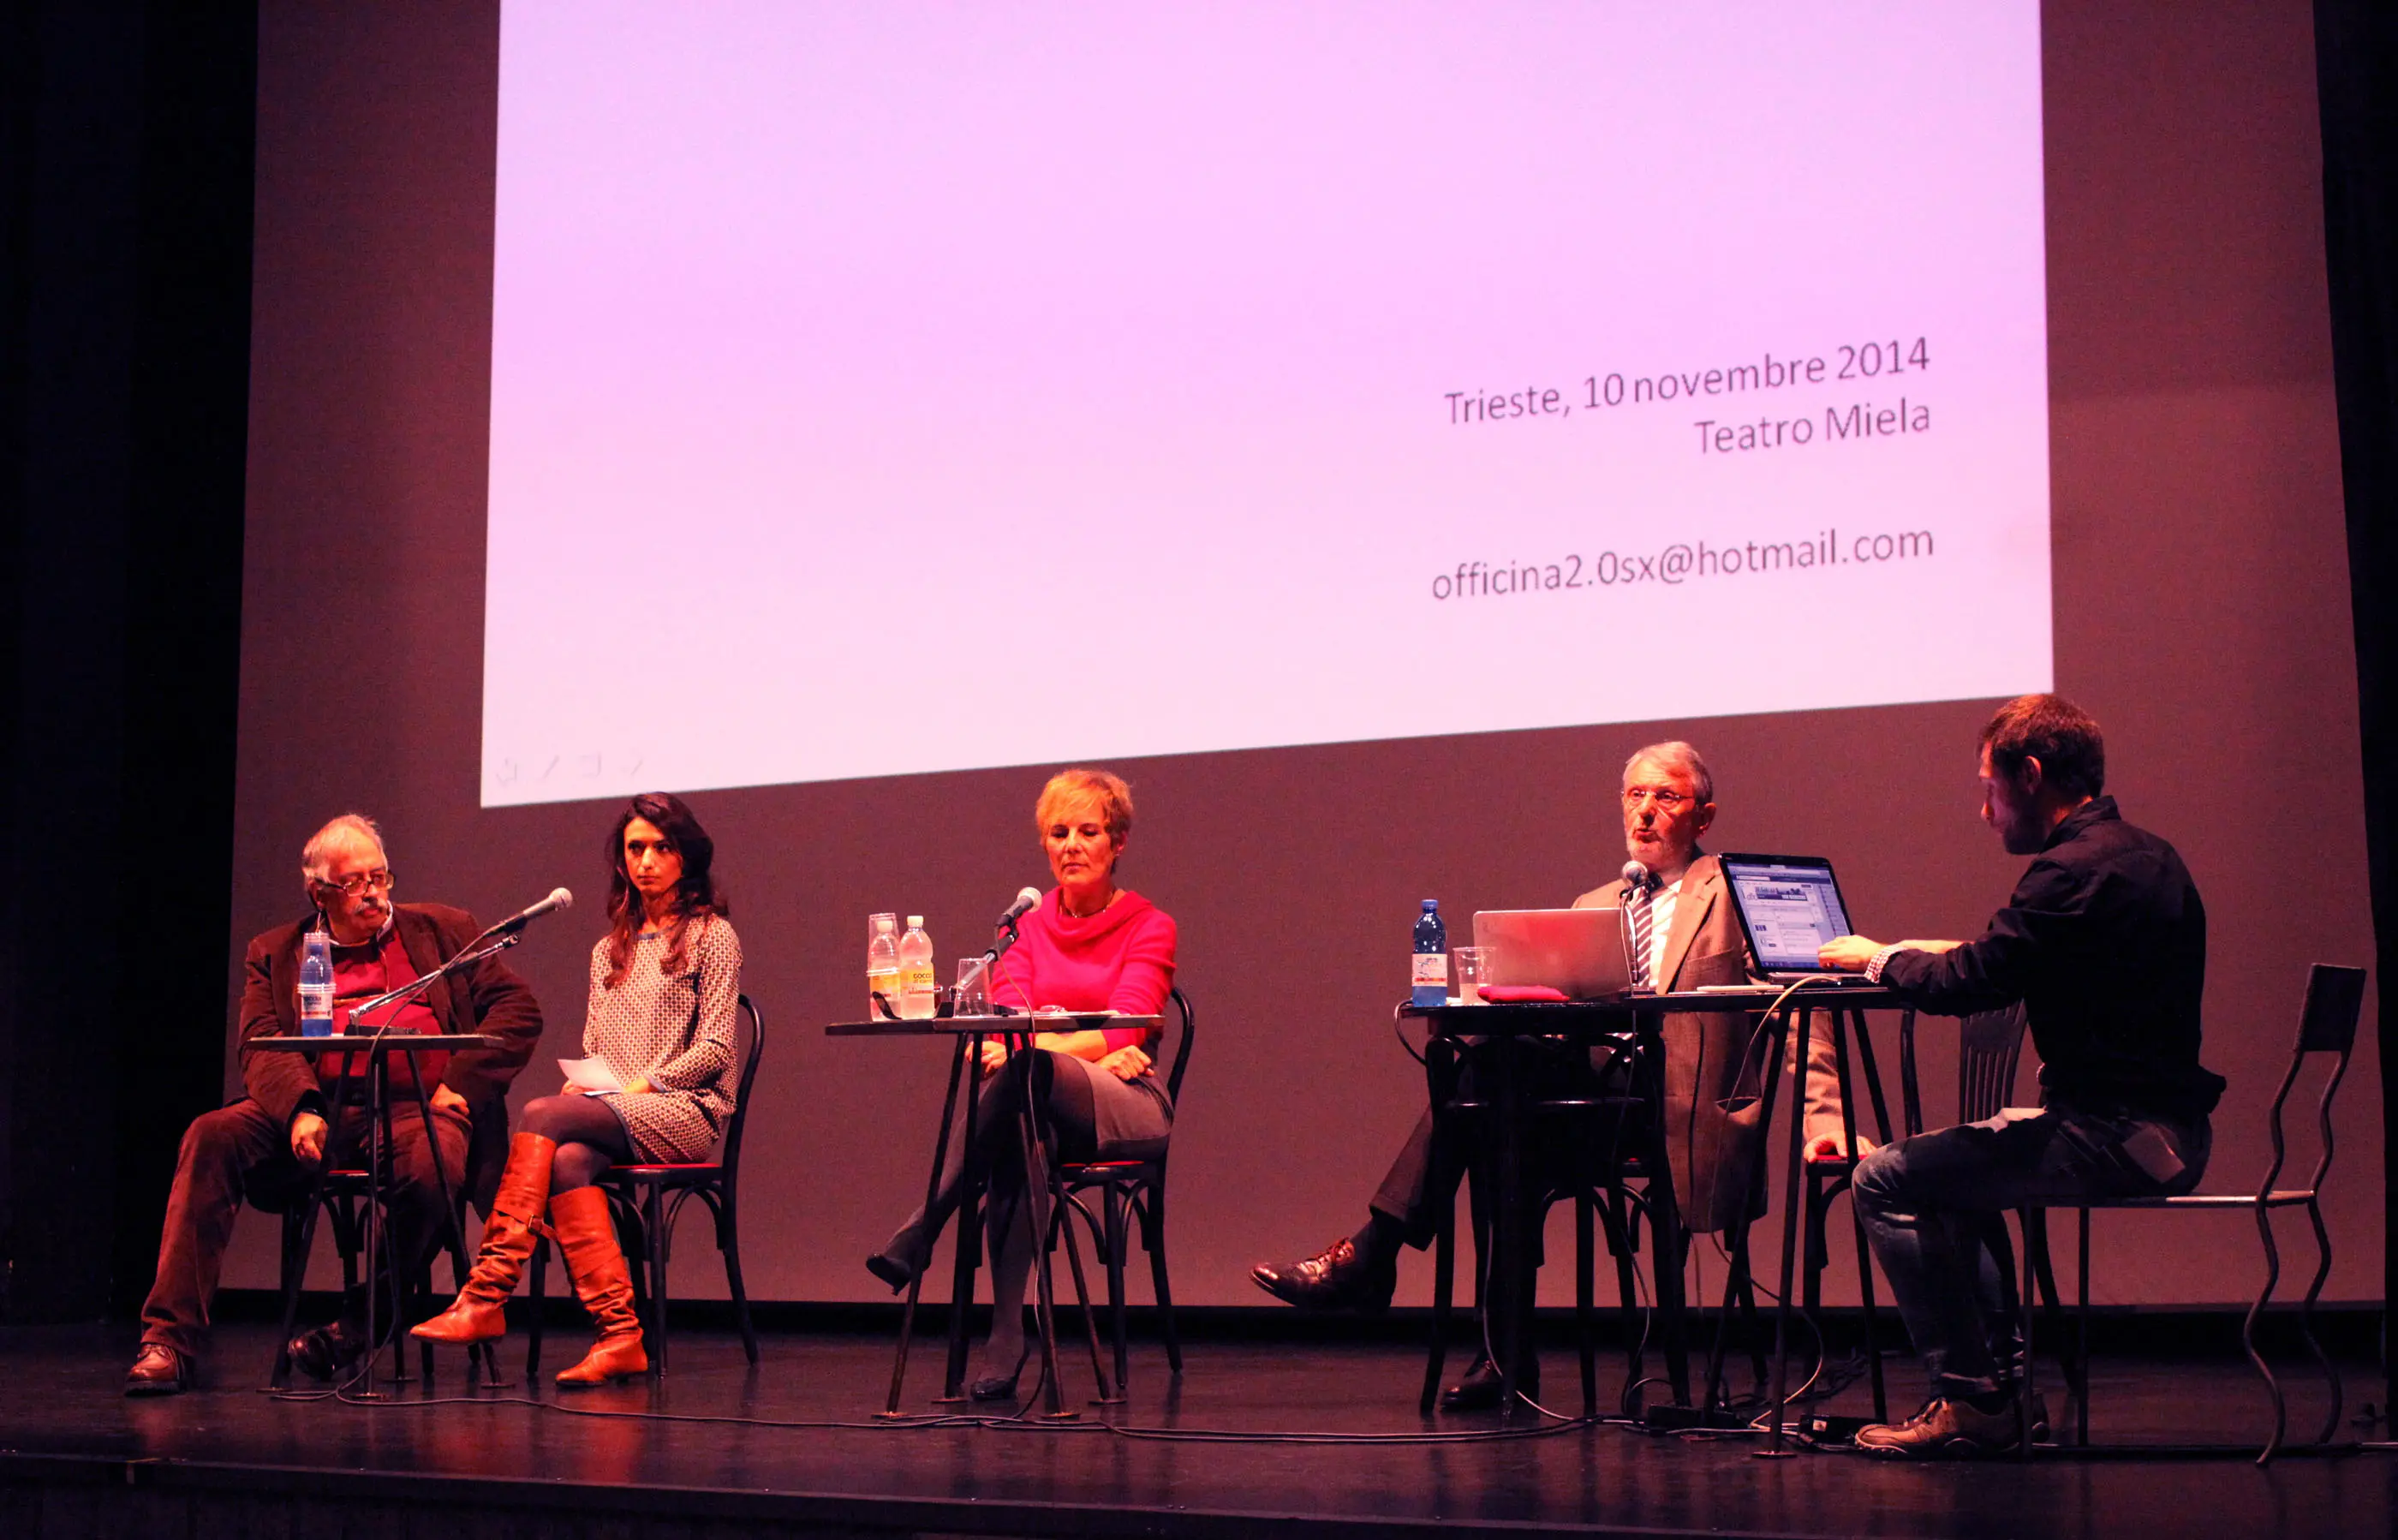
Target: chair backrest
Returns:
[[2326, 1024], [1990, 1047], [1181, 1003], [730, 1159], [2335, 1000]]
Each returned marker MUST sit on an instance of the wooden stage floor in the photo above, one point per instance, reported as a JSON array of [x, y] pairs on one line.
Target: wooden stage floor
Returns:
[[791, 1447]]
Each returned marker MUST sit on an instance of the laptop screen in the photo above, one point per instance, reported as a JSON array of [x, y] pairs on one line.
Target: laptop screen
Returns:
[[1790, 906]]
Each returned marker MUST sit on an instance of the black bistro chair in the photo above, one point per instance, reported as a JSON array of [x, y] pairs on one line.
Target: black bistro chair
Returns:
[[1129, 1190], [1989, 1049], [1604, 1132], [1989, 1052], [2326, 1030], [646, 1200], [348, 1209]]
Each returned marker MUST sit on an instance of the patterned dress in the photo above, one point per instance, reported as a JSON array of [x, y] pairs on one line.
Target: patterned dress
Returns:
[[677, 1031]]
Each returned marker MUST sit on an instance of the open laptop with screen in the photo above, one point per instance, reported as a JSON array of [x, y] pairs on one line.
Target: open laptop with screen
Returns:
[[1583, 953], [1788, 906]]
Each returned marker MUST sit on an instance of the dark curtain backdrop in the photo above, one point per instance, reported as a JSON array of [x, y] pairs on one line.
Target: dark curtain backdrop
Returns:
[[127, 135], [2356, 60]]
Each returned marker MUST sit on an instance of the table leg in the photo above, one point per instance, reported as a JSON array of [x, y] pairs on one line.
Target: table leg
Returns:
[[1037, 1180], [1739, 1282], [1840, 1020], [280, 1375], [966, 1255], [378, 1090], [1794, 1196], [482, 1353], [932, 1190], [1511, 1345], [1664, 1212]]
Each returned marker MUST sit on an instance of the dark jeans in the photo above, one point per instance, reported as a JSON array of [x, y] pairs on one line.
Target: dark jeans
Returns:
[[1930, 1204], [244, 1151]]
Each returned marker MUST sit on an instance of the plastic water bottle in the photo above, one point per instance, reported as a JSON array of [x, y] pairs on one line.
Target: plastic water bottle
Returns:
[[882, 963], [1432, 957], [916, 999], [315, 985]]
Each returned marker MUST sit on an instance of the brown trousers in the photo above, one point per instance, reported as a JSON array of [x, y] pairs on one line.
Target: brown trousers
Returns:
[[243, 1151]]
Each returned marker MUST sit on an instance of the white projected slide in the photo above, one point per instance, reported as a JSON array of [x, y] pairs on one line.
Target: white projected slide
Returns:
[[892, 388]]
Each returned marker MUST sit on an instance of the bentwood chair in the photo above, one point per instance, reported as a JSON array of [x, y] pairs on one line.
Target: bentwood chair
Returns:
[[1601, 1133], [1129, 1190], [348, 1209], [646, 1200], [2326, 1036], [1990, 1051]]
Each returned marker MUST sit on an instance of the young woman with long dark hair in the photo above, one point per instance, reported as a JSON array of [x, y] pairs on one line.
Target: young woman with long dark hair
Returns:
[[665, 981]]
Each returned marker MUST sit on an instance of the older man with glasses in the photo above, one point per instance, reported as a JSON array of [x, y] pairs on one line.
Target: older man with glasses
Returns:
[[266, 1144], [1685, 936]]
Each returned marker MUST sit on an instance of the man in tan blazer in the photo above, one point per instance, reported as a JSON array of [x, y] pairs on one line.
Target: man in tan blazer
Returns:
[[1714, 1063]]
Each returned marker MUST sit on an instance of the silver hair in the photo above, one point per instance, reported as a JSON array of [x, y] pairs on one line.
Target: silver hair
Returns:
[[316, 856], [1677, 755]]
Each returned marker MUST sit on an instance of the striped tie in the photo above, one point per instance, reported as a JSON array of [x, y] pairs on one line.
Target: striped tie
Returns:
[[1643, 933]]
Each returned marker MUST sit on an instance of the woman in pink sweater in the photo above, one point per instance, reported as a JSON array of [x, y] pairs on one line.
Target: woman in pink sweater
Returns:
[[1089, 945]]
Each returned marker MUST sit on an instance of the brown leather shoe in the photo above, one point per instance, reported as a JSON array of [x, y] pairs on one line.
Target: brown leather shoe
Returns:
[[1952, 1429], [1339, 1277], [479, 1312], [588, 1238], [158, 1370]]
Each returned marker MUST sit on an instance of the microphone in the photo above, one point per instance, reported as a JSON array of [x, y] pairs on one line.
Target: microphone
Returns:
[[1026, 901], [559, 898], [1636, 878]]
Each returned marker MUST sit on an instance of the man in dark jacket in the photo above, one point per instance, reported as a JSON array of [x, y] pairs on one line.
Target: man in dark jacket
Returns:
[[269, 1143], [2104, 941]]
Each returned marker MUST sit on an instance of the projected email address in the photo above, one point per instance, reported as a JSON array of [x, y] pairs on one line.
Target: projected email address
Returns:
[[1680, 563]]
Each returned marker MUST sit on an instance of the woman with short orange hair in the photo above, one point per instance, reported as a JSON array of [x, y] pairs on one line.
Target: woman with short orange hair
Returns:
[[1088, 946]]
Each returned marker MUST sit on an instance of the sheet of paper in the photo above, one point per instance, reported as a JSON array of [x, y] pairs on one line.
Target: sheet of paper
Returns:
[[589, 1076]]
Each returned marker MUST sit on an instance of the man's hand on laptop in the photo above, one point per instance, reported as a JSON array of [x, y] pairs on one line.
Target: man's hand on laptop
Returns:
[[1848, 953]]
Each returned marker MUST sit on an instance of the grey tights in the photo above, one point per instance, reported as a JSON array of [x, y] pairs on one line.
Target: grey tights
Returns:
[[590, 1137]]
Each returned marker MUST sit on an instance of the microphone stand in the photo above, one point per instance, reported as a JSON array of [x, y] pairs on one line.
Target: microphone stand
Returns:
[[490, 944]]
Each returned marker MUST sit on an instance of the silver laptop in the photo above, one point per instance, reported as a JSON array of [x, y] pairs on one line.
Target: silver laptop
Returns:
[[1789, 906], [1583, 953]]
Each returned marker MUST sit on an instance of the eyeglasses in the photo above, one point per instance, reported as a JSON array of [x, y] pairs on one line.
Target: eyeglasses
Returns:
[[1668, 802], [359, 882]]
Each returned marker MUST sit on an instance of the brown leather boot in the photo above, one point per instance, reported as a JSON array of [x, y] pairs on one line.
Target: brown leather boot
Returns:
[[596, 1262], [477, 1314]]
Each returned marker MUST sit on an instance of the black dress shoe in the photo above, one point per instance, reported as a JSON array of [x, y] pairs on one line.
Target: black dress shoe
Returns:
[[891, 1270], [158, 1370], [1339, 1277], [326, 1351], [1000, 1387], [1481, 1391]]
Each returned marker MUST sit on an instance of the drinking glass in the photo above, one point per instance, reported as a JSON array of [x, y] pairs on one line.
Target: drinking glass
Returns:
[[973, 989], [1473, 965]]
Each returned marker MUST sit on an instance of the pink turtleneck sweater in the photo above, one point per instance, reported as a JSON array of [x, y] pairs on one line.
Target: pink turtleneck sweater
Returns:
[[1120, 959]]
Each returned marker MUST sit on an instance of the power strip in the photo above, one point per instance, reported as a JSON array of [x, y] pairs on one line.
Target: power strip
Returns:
[[1682, 1419]]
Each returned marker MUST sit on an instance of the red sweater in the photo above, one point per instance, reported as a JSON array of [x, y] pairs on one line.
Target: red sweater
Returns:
[[1120, 959]]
